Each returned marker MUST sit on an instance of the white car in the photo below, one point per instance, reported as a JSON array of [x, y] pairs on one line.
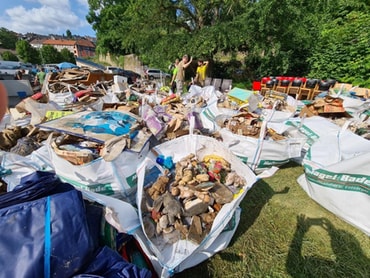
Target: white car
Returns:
[[156, 74]]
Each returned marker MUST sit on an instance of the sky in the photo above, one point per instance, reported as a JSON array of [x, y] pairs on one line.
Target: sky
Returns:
[[46, 17]]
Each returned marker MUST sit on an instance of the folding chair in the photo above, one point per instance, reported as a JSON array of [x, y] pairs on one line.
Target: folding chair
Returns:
[[208, 81], [226, 85], [216, 82]]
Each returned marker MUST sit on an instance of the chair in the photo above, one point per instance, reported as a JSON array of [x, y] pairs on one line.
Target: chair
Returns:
[[283, 86], [226, 85], [270, 84], [216, 82], [322, 86], [308, 87], [208, 81], [294, 87], [263, 81], [332, 82]]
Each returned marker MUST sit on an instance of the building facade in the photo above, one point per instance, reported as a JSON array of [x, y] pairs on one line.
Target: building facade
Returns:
[[80, 48]]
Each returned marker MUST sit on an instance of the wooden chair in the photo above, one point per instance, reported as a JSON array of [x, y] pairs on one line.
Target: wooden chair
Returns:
[[270, 84], [293, 89], [332, 82], [264, 81], [283, 86], [305, 91], [322, 86]]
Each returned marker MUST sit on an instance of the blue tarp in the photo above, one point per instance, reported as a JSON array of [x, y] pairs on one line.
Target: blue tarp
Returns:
[[47, 230]]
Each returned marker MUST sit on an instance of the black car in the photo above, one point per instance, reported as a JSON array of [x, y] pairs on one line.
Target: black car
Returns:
[[129, 74], [133, 76]]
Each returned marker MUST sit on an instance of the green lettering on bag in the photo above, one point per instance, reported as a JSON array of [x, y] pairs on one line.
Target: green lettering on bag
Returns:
[[105, 189], [243, 159], [132, 180], [311, 135], [269, 163], [208, 114], [350, 182]]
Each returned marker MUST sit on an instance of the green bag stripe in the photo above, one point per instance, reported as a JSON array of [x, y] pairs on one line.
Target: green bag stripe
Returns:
[[311, 135], [105, 189], [208, 114], [341, 181]]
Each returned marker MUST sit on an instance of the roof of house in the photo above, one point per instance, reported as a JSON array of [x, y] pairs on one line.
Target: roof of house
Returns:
[[85, 43], [70, 42], [37, 41]]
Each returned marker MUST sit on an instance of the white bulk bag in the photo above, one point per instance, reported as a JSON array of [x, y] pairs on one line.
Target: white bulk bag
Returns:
[[337, 176], [259, 153], [280, 116], [172, 258], [116, 178]]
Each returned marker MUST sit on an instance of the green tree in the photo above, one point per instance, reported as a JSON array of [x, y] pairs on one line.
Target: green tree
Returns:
[[277, 37], [159, 31], [282, 34], [69, 34], [342, 50], [67, 56], [27, 53], [9, 56], [49, 54], [7, 38]]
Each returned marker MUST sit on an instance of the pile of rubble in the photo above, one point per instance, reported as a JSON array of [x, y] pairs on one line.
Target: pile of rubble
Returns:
[[101, 129]]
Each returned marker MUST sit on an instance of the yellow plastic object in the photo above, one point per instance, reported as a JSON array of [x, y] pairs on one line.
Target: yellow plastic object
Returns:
[[243, 97]]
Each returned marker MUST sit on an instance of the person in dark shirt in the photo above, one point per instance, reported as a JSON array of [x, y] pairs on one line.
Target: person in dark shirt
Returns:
[[19, 75]]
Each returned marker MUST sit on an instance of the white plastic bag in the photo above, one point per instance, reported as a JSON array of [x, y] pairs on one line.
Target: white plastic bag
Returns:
[[21, 166]]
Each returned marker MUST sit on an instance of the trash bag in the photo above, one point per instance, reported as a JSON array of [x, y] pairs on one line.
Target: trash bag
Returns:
[[44, 229], [109, 264], [50, 230]]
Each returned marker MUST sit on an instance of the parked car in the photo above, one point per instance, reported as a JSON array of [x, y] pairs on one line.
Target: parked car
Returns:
[[131, 75], [156, 73]]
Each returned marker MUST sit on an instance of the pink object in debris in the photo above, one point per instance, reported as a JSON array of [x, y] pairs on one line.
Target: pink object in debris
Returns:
[[37, 96]]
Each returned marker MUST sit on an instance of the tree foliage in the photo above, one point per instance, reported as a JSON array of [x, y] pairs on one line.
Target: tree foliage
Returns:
[[67, 56], [9, 56], [69, 34], [343, 50], [7, 38], [277, 37], [27, 53], [49, 55], [160, 31]]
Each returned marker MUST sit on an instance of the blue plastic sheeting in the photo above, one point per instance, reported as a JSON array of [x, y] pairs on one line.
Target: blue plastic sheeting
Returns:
[[109, 264], [44, 229], [48, 230], [108, 122]]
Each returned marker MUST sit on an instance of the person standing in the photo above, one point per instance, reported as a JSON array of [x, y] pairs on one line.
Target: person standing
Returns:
[[200, 75], [174, 73], [40, 77], [180, 75]]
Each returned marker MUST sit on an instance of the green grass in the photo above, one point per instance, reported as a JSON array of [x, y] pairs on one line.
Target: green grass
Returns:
[[284, 233]]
